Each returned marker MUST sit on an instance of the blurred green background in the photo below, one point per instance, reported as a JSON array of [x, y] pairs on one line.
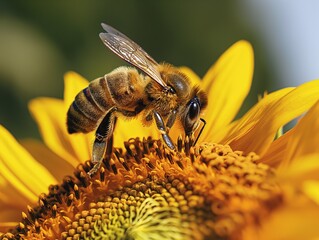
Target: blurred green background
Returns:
[[41, 40]]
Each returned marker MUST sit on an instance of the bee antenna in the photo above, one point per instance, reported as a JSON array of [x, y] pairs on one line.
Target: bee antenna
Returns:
[[201, 130]]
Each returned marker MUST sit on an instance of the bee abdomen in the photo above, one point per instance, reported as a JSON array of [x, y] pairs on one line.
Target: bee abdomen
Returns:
[[77, 121], [99, 93], [79, 118], [88, 108]]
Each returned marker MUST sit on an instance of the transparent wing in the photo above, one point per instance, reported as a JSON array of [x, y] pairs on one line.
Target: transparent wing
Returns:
[[129, 51], [112, 30]]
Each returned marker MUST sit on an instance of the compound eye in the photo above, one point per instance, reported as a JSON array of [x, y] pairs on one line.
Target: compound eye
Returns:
[[191, 117], [193, 112]]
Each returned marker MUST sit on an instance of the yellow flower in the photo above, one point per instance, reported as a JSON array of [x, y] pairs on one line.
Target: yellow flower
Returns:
[[237, 183]]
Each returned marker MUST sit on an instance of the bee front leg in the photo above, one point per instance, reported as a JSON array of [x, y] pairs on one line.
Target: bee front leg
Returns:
[[163, 130], [171, 120], [103, 140]]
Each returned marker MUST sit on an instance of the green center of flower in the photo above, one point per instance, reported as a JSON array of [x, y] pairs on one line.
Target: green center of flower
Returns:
[[148, 192]]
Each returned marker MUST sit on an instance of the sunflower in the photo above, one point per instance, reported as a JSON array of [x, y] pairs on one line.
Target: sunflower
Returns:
[[238, 182]]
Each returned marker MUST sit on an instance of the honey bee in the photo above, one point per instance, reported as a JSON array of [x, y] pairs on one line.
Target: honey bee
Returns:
[[161, 93]]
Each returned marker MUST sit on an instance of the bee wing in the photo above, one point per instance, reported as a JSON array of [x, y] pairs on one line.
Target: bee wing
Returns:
[[112, 30], [131, 52]]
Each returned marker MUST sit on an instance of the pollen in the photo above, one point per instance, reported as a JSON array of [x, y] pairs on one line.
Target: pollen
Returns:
[[146, 191]]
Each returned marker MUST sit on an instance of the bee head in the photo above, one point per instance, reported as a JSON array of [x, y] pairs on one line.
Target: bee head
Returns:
[[191, 100], [190, 116]]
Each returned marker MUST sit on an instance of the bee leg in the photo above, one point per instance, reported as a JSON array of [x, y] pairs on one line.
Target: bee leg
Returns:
[[163, 130], [103, 140], [171, 120]]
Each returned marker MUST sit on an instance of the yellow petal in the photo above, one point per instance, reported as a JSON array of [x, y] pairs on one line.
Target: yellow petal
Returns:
[[305, 139], [302, 174], [256, 130], [50, 116], [311, 189], [192, 76], [5, 225], [303, 169], [23, 175], [126, 129], [227, 84], [298, 220], [56, 165], [73, 84], [240, 128], [277, 150]]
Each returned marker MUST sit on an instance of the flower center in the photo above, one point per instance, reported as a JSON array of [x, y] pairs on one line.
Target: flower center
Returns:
[[146, 191]]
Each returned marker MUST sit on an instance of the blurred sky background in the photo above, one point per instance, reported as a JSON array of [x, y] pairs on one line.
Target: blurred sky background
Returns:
[[41, 40]]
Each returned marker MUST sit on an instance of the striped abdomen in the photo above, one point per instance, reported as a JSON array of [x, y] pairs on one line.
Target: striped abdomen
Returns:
[[89, 107]]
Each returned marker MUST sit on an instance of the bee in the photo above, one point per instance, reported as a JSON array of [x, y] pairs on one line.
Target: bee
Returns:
[[160, 93]]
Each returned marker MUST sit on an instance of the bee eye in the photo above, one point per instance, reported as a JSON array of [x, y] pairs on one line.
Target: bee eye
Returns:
[[193, 111], [192, 115]]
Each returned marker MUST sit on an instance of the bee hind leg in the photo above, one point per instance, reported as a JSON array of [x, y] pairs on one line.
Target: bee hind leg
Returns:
[[103, 141]]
